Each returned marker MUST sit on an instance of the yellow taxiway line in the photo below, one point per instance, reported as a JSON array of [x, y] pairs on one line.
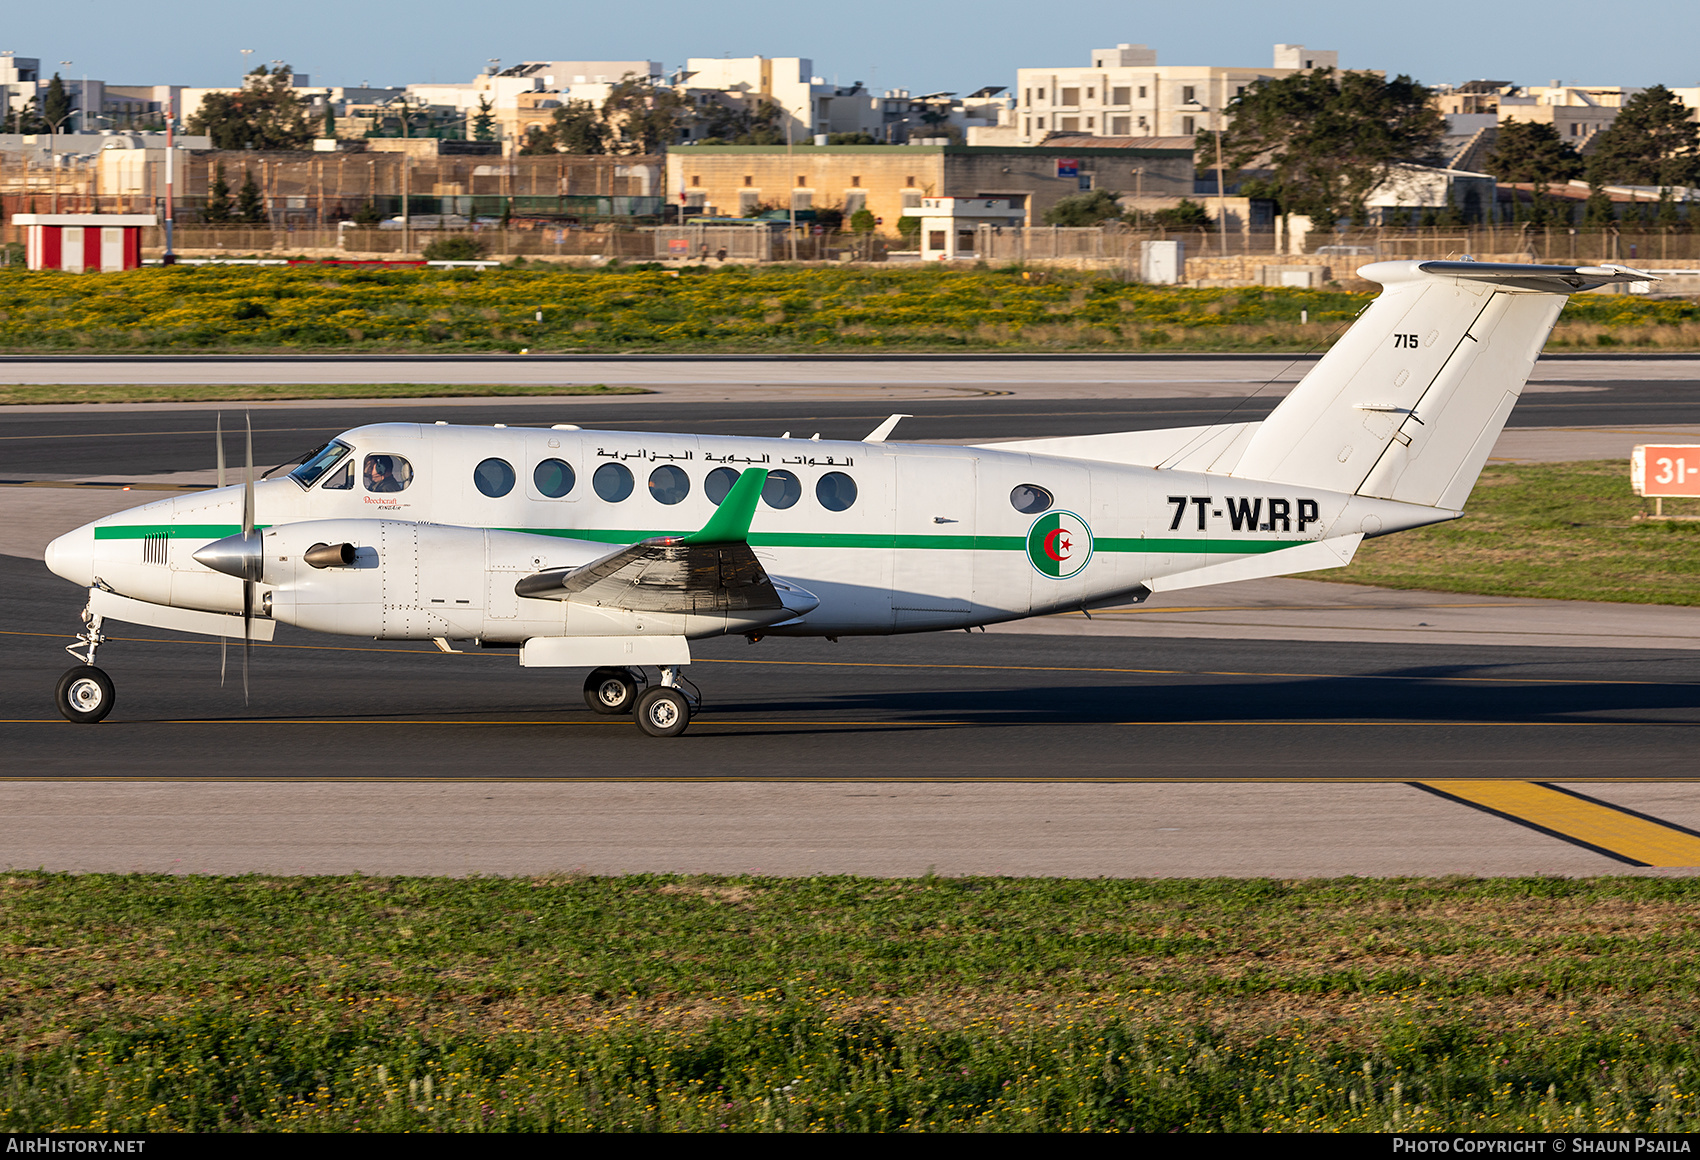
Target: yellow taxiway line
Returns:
[[1608, 829]]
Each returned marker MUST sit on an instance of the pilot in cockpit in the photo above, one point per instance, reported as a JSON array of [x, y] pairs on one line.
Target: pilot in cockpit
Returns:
[[380, 474]]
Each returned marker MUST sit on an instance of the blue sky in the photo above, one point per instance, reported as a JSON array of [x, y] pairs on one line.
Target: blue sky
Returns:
[[910, 45]]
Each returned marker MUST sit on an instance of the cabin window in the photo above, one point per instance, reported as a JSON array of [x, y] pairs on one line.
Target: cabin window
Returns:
[[612, 481], [669, 484], [343, 480], [319, 462], [494, 477], [1030, 499], [836, 491], [553, 478], [387, 473], [782, 490], [718, 484]]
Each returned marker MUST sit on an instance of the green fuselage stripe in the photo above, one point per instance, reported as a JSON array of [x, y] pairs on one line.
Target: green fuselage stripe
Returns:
[[876, 541]]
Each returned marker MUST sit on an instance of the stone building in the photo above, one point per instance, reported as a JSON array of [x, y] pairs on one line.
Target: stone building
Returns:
[[891, 180]]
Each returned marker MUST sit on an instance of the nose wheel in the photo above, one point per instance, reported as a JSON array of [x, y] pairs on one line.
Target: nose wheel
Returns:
[[84, 695]]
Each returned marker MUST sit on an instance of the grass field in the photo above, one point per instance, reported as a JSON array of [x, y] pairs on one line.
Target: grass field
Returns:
[[14, 394], [154, 1003], [732, 309], [1562, 531]]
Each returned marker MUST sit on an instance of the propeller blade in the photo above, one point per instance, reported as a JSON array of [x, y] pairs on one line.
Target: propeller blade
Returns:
[[221, 448], [223, 658], [247, 632], [247, 531], [248, 483]]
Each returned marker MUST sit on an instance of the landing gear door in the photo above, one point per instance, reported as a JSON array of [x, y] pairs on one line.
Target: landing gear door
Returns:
[[933, 551]]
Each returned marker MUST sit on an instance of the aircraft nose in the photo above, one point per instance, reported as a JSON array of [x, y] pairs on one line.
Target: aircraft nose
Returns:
[[72, 556]]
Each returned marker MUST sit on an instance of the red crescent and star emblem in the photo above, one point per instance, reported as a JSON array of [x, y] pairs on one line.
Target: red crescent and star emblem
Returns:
[[1057, 544]]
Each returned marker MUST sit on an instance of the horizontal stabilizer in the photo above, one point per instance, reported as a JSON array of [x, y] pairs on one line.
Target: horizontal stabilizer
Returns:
[[1542, 279]]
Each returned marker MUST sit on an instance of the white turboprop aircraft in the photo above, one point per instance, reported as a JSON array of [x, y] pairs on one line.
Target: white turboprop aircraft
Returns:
[[613, 550]]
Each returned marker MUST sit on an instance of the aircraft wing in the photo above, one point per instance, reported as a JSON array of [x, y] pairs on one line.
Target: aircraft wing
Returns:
[[712, 570]]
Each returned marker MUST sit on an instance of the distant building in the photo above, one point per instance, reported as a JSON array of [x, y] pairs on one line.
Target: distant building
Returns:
[[806, 104], [1124, 92], [1578, 113], [891, 181]]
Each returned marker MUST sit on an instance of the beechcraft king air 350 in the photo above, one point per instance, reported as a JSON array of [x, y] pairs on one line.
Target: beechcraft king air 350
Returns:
[[614, 550]]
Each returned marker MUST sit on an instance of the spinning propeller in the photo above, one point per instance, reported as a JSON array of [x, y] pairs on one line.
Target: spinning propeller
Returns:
[[240, 556]]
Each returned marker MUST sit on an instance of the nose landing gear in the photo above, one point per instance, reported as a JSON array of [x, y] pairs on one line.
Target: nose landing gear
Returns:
[[84, 693]]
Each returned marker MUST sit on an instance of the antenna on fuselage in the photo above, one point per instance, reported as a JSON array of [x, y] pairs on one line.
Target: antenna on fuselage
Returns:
[[878, 434]]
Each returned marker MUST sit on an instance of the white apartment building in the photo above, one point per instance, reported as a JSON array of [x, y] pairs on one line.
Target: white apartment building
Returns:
[[528, 93], [808, 106], [1577, 112], [1124, 92]]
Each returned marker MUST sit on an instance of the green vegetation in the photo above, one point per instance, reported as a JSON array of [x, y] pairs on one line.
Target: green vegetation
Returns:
[[271, 392], [1559, 531], [158, 1003], [455, 248], [723, 309]]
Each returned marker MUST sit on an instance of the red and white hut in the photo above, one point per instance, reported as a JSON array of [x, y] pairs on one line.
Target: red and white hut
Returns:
[[82, 242]]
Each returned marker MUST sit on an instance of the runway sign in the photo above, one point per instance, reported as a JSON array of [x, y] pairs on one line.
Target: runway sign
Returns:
[[1665, 470]]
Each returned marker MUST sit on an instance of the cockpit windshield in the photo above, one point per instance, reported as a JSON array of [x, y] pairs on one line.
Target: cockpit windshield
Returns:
[[320, 462]]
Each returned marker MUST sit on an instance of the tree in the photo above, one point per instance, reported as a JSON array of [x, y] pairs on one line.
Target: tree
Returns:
[[330, 119], [1328, 139], [1085, 209], [484, 123], [863, 221], [576, 127], [1188, 215], [1600, 211], [217, 210], [265, 113], [1533, 152], [642, 117], [1652, 142], [756, 125], [58, 107], [250, 205], [26, 119]]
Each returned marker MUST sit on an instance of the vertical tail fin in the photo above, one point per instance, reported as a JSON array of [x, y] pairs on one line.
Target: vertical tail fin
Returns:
[[1408, 404]]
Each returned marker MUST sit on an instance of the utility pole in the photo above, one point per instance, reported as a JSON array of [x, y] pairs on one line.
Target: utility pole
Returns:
[[169, 258], [1221, 197], [790, 156]]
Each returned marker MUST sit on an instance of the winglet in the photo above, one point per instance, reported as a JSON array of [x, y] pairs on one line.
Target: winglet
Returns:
[[730, 523]]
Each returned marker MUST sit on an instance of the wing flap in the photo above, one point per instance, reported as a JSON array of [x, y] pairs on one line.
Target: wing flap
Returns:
[[663, 575]]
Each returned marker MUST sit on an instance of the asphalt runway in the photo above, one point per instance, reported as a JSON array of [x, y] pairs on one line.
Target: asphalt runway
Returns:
[[942, 705], [39, 444]]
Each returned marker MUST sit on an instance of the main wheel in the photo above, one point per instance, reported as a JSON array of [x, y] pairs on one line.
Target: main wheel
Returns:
[[84, 694], [663, 712], [611, 691]]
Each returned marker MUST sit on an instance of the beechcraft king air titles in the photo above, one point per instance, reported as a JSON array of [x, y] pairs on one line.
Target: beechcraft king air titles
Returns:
[[613, 550]]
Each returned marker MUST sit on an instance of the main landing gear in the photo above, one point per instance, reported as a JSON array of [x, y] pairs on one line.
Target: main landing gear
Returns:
[[662, 710], [84, 694]]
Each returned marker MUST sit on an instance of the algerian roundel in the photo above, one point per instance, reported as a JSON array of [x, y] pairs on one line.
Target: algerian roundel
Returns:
[[1059, 543]]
